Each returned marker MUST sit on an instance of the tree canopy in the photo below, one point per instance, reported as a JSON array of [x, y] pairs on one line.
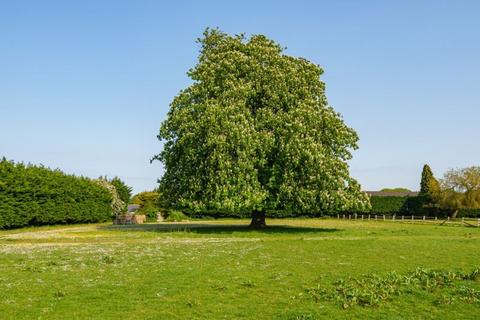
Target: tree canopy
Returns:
[[124, 191], [148, 202], [429, 186], [254, 131], [118, 206], [429, 192], [460, 189]]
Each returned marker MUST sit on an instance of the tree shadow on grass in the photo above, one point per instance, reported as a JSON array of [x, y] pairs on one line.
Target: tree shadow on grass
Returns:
[[216, 228]]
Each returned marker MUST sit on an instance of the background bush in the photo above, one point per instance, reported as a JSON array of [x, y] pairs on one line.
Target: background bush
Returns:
[[34, 195], [147, 201], [469, 213], [175, 216]]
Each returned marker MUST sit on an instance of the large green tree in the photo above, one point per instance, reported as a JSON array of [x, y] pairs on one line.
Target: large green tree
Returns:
[[254, 132], [460, 190]]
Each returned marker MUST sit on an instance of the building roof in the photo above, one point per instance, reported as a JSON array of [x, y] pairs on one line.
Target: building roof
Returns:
[[132, 207]]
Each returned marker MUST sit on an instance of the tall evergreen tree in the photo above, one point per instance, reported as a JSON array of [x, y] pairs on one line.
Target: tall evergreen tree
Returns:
[[254, 132], [429, 194], [429, 186]]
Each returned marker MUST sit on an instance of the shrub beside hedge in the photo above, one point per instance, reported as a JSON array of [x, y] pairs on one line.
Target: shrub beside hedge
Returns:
[[469, 213], [35, 195]]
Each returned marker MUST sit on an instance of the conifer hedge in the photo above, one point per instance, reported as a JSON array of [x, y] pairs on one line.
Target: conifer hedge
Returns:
[[393, 204], [35, 195], [405, 205]]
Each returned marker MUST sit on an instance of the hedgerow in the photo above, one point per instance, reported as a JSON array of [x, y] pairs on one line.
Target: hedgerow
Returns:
[[35, 195], [405, 205], [393, 204]]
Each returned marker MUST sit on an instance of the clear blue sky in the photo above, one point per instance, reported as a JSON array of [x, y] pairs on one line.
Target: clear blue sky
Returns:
[[84, 85]]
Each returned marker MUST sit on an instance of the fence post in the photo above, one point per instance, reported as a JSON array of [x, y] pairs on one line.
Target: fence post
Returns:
[[368, 217], [463, 219], [349, 217], [412, 217], [436, 218], [403, 218], [355, 216], [383, 217], [393, 217], [343, 217], [362, 217], [375, 217], [448, 218], [423, 218]]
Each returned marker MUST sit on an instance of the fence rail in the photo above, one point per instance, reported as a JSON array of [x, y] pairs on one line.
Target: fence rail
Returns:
[[393, 218]]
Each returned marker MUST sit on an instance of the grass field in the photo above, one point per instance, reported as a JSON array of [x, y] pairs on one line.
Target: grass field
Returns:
[[222, 270]]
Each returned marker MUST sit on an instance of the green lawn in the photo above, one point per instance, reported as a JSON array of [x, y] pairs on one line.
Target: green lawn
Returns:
[[222, 270]]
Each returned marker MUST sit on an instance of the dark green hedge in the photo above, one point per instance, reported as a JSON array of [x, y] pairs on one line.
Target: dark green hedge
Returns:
[[413, 206], [34, 195], [469, 213], [391, 204]]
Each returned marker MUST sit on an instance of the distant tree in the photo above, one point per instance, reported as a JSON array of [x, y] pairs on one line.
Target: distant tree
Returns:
[[429, 192], [429, 186], [145, 196], [254, 132], [399, 190], [118, 206], [460, 189], [147, 201], [124, 191]]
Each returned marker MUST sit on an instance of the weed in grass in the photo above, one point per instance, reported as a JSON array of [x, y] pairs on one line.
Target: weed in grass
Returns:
[[107, 259], [52, 264], [248, 284], [445, 300], [469, 295], [372, 289], [193, 303], [472, 276], [219, 286], [300, 316], [162, 293]]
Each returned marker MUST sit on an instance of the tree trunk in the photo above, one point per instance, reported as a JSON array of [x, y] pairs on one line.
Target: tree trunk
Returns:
[[454, 214], [258, 220]]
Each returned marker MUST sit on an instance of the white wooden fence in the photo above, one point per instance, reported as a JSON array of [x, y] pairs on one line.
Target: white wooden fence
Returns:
[[409, 218]]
